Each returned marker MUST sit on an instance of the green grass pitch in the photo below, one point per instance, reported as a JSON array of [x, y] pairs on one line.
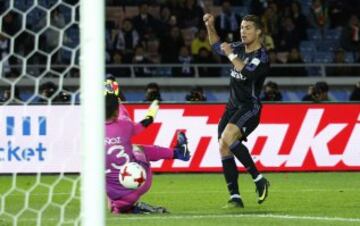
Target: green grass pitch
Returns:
[[195, 199]]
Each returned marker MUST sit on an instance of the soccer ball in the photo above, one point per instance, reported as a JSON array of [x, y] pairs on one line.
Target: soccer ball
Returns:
[[132, 175]]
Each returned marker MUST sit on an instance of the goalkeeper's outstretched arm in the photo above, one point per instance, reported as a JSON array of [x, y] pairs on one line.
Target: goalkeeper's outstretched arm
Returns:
[[149, 117], [151, 114]]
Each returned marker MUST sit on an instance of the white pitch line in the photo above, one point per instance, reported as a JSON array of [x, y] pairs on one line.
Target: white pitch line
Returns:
[[274, 216], [194, 217], [214, 191]]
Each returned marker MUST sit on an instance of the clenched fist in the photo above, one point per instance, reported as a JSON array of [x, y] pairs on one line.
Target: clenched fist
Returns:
[[208, 19]]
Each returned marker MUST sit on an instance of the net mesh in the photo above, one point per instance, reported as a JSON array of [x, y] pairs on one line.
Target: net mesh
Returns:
[[39, 51]]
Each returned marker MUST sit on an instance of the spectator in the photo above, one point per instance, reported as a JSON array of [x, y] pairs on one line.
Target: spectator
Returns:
[[11, 23], [268, 41], [196, 94], [350, 35], [294, 57], [164, 22], [320, 93], [355, 94], [170, 45], [232, 2], [152, 49], [6, 95], [337, 14], [57, 18], [117, 60], [299, 19], [205, 57], [152, 92], [309, 95], [141, 58], [271, 92], [257, 7], [174, 6], [201, 41], [288, 37], [126, 39], [62, 97], [190, 15], [319, 14], [47, 91], [227, 23], [185, 59], [271, 22], [338, 70], [276, 71], [145, 23]]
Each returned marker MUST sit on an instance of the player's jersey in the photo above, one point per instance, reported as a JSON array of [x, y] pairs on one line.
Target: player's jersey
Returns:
[[119, 151], [246, 85]]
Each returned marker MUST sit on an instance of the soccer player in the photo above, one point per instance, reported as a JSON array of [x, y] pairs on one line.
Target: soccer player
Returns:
[[119, 131], [250, 67]]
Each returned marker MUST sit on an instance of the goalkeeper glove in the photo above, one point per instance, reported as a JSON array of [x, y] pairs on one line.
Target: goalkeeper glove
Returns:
[[151, 113], [153, 109], [111, 87]]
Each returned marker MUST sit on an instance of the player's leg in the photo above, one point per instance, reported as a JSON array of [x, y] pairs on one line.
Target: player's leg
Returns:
[[228, 162], [155, 153], [230, 134], [129, 203], [247, 122]]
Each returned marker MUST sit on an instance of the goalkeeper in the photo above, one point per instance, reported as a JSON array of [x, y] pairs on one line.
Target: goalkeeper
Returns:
[[119, 131]]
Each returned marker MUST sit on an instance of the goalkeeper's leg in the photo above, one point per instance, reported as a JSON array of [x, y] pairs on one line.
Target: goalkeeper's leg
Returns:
[[126, 203], [155, 153]]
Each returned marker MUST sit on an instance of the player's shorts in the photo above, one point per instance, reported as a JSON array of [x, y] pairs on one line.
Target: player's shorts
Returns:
[[246, 117]]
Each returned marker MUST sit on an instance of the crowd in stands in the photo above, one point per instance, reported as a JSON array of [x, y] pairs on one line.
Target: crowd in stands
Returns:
[[172, 32], [296, 31]]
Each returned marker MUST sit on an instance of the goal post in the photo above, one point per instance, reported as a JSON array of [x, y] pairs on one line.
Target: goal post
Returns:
[[92, 63], [51, 148]]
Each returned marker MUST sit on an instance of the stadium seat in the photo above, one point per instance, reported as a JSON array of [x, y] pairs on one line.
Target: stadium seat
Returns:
[[349, 57], [307, 56], [326, 45], [332, 34], [323, 57], [241, 10], [314, 34], [23, 5], [307, 46]]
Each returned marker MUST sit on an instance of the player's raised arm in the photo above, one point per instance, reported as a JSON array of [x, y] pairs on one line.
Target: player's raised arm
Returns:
[[209, 21], [214, 38]]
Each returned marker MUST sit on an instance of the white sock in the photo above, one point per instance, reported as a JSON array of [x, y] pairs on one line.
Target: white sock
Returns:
[[259, 177], [235, 196]]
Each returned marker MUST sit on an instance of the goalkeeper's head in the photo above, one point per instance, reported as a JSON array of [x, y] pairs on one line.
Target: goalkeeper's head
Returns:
[[111, 106]]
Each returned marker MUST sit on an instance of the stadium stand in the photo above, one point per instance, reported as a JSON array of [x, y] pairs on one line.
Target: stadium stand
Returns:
[[318, 44]]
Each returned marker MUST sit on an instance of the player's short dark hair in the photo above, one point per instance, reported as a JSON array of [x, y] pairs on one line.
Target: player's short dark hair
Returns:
[[111, 105], [153, 85], [256, 20], [322, 87]]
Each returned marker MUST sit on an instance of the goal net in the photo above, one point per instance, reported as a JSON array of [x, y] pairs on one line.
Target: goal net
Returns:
[[41, 155]]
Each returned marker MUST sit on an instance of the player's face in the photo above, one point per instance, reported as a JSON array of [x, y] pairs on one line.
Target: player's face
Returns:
[[248, 32]]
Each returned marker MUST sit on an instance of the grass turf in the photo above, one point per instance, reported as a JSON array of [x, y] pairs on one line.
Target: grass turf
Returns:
[[195, 199]]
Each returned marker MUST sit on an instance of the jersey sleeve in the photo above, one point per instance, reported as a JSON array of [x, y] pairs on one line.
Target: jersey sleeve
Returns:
[[138, 128], [123, 111], [217, 49], [255, 69]]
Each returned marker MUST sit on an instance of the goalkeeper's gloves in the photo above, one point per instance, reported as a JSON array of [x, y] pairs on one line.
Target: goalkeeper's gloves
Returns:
[[151, 114], [111, 87]]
